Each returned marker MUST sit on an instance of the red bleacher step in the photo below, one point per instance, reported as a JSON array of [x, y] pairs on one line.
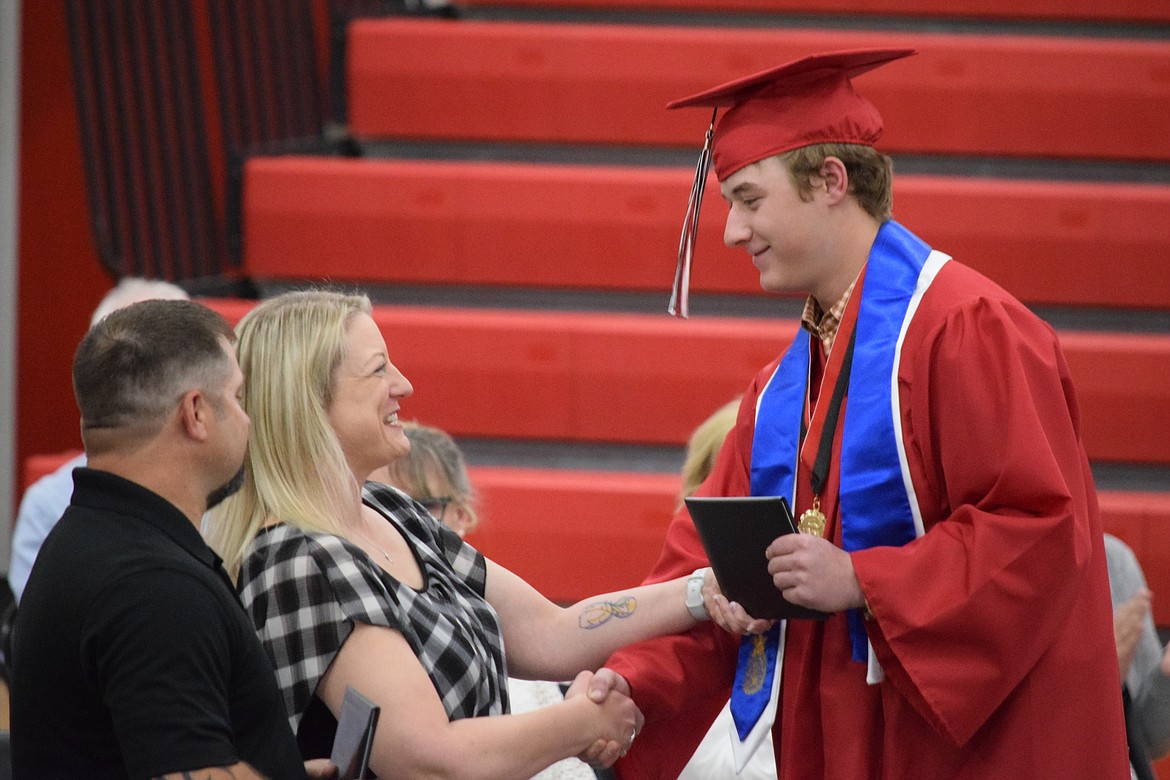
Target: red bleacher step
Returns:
[[616, 228], [609, 84], [574, 534], [1060, 11], [638, 378], [568, 376]]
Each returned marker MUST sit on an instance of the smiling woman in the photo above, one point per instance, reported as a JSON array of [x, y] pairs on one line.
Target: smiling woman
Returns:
[[366, 589], [367, 389]]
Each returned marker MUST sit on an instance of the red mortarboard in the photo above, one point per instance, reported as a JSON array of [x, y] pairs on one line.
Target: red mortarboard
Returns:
[[803, 102]]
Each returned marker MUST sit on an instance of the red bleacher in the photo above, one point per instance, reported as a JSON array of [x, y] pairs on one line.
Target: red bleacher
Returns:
[[573, 534], [609, 84], [1047, 10], [561, 376], [610, 227], [637, 378]]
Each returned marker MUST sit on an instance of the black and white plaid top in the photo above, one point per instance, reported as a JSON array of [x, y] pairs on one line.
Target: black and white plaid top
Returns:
[[304, 591]]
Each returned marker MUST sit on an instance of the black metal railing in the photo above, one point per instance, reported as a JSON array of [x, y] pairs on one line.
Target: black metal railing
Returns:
[[271, 90], [165, 183], [144, 139]]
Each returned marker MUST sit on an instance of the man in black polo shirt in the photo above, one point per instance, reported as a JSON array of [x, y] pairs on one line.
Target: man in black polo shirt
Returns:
[[132, 656]]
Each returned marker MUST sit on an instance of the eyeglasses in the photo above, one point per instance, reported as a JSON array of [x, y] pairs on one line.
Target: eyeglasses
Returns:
[[437, 505], [463, 517]]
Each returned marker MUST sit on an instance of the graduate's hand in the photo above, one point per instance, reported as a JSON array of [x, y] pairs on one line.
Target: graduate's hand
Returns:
[[730, 615], [598, 687], [604, 681], [1127, 627], [813, 572]]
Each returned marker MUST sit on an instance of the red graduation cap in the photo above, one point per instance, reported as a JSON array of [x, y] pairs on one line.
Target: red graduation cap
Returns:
[[807, 101]]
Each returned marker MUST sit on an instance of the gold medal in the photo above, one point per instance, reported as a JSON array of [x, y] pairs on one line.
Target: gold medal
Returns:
[[813, 520], [757, 667]]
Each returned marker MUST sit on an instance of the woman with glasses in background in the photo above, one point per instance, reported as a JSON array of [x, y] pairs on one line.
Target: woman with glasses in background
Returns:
[[434, 474]]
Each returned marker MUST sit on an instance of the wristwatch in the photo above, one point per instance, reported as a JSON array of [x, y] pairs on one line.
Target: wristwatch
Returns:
[[694, 602]]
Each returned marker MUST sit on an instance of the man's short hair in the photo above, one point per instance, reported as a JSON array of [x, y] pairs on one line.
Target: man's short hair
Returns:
[[871, 173], [135, 364]]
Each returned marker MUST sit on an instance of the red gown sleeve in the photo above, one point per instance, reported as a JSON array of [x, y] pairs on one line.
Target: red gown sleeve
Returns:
[[991, 432], [661, 671]]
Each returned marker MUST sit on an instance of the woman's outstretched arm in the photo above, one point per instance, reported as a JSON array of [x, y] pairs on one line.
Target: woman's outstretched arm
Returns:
[[414, 738], [549, 642]]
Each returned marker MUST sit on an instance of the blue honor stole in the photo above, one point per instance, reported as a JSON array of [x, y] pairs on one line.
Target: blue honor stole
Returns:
[[876, 505]]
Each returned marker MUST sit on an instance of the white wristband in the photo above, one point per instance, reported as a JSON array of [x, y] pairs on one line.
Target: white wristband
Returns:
[[694, 600]]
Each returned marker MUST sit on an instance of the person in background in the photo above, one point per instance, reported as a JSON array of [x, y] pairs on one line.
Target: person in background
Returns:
[[924, 427], [434, 474], [362, 588], [1143, 662], [131, 655], [703, 447], [46, 499]]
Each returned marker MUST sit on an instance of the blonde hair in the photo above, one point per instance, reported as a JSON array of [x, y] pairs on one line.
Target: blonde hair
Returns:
[[434, 453], [290, 348], [703, 446]]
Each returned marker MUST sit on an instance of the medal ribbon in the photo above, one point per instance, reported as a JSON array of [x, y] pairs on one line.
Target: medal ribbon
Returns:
[[756, 664], [824, 457]]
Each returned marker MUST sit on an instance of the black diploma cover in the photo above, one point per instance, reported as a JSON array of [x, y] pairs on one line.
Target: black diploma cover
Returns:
[[735, 531], [355, 736]]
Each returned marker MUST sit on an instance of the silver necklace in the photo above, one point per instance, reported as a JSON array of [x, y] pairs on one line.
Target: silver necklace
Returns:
[[370, 542]]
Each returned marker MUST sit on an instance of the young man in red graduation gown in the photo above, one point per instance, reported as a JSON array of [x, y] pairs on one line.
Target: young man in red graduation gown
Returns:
[[925, 429]]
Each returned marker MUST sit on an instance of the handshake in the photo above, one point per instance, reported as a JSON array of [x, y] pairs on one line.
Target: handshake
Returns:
[[616, 719]]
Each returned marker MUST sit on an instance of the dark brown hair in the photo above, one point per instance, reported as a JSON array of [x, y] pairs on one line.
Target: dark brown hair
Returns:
[[135, 364]]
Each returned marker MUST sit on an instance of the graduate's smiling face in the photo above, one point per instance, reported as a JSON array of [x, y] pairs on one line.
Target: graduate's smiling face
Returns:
[[771, 222]]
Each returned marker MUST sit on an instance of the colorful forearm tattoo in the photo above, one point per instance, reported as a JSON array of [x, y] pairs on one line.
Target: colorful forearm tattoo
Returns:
[[598, 613]]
